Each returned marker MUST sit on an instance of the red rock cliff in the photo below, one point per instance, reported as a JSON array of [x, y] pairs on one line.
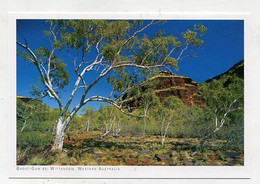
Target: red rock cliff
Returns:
[[167, 84]]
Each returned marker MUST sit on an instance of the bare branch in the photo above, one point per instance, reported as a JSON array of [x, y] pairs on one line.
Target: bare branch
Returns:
[[97, 44], [182, 51], [138, 65], [171, 51], [217, 125], [38, 65]]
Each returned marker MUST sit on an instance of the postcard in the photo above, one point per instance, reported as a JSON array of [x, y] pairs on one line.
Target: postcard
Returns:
[[130, 95]]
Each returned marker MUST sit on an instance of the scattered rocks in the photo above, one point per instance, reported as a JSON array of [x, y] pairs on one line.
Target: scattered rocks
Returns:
[[229, 164], [194, 153], [213, 164], [200, 163], [231, 154], [229, 159], [97, 151], [163, 158], [143, 153], [173, 153], [88, 150], [187, 163]]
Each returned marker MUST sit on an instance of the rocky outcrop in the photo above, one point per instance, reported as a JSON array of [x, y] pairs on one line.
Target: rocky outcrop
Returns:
[[168, 84], [25, 99], [182, 87]]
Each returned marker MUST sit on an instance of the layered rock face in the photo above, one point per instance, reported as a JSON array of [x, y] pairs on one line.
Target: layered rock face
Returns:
[[168, 84], [179, 86]]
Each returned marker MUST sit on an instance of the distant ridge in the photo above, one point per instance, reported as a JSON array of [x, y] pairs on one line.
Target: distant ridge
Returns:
[[237, 69], [25, 99]]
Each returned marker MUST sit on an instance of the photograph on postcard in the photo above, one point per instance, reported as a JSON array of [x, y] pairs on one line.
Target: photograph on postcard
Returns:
[[130, 92]]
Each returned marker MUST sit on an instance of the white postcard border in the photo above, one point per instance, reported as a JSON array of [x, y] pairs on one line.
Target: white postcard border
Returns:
[[129, 171]]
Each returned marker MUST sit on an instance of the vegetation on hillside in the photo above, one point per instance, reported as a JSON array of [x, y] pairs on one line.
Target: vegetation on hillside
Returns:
[[167, 133]]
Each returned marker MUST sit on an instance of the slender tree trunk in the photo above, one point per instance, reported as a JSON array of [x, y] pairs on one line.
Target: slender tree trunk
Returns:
[[165, 132], [24, 124], [58, 143], [144, 119], [109, 127], [61, 127], [117, 129], [144, 128], [88, 123]]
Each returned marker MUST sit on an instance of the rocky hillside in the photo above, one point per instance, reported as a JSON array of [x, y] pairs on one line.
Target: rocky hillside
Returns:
[[167, 84], [237, 69]]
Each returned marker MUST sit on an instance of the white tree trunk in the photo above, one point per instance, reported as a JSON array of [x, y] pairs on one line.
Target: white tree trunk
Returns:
[[24, 124], [109, 126], [145, 114], [58, 143], [165, 132], [116, 129], [88, 124]]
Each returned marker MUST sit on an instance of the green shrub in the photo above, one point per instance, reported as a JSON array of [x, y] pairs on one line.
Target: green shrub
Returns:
[[34, 139], [36, 160]]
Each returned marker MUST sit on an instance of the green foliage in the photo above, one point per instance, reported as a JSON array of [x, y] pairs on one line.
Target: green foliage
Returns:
[[173, 103], [36, 92], [60, 75], [26, 56], [42, 52], [122, 80], [35, 124], [193, 124], [32, 114], [113, 38], [34, 139], [154, 50], [153, 84], [221, 93], [88, 111], [190, 38], [149, 99], [201, 29], [220, 96], [109, 52]]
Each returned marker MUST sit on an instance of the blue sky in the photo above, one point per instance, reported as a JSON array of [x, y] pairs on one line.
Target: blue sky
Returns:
[[222, 48]]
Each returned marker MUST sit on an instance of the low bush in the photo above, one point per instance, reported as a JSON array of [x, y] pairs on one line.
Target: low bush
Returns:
[[34, 139]]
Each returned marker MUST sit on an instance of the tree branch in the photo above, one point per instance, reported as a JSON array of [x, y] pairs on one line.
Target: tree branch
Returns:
[[135, 33], [38, 65]]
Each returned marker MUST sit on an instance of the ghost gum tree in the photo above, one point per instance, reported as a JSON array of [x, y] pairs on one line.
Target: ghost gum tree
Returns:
[[102, 46]]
